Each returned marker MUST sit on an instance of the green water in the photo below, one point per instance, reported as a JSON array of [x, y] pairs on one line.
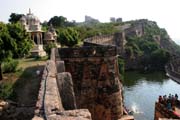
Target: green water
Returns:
[[142, 90]]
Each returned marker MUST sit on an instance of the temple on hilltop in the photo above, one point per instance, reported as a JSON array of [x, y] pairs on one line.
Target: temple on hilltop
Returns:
[[32, 25]]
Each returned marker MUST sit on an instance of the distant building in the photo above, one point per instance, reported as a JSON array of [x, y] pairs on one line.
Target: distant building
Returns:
[[89, 19], [119, 20], [113, 19], [32, 25]]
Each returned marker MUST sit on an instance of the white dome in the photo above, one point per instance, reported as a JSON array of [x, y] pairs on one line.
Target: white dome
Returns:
[[31, 22], [31, 17], [23, 18], [49, 36]]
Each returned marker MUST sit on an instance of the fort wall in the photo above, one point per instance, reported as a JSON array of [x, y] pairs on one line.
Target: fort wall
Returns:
[[117, 39], [95, 76], [51, 104], [83, 82]]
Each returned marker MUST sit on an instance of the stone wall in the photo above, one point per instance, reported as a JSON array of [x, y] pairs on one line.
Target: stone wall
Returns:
[[117, 39], [96, 80], [53, 91], [173, 68], [135, 30], [79, 83]]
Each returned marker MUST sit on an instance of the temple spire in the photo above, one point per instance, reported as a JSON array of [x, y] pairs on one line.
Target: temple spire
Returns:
[[29, 10]]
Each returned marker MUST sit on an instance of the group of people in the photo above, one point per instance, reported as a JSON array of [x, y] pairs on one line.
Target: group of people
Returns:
[[169, 101]]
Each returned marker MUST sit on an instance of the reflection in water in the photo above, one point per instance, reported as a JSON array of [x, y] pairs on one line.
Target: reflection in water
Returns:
[[142, 90], [132, 78]]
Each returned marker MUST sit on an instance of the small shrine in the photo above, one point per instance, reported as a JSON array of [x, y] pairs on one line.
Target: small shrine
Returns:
[[32, 25]]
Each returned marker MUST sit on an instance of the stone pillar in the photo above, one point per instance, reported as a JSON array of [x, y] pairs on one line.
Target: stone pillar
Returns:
[[41, 38], [37, 35], [33, 38]]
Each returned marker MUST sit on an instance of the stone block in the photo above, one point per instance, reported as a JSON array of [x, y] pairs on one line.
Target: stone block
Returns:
[[66, 90], [60, 66]]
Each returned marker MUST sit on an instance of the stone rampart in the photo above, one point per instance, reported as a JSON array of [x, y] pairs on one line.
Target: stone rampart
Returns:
[[79, 83], [88, 51], [173, 68], [95, 76], [55, 89], [117, 39]]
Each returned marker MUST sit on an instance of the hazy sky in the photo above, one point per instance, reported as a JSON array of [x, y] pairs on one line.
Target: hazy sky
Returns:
[[164, 12]]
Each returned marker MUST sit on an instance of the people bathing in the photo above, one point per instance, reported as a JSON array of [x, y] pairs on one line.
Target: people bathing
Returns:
[[169, 102]]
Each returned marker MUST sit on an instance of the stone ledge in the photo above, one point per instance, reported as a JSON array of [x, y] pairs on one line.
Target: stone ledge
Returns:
[[80, 114]]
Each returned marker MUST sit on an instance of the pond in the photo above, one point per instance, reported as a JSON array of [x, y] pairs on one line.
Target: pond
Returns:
[[142, 90]]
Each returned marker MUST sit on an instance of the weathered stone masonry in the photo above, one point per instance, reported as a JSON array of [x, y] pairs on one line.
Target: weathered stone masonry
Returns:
[[79, 80], [96, 80], [51, 104], [117, 39]]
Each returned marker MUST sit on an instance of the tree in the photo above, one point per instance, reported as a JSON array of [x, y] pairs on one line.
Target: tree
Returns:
[[69, 37], [58, 21], [21, 38], [7, 45], [159, 58], [14, 18]]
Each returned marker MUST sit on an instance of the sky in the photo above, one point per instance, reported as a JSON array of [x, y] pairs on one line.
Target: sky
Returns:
[[164, 12]]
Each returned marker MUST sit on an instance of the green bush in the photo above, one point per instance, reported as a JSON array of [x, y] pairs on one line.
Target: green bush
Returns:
[[6, 90], [10, 66], [121, 67]]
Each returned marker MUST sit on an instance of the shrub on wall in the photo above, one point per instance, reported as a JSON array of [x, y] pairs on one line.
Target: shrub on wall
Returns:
[[121, 67]]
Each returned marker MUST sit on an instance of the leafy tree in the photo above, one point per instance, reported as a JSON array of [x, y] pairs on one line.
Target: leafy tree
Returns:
[[159, 58], [148, 47], [7, 45], [21, 38], [69, 37], [14, 17], [58, 21]]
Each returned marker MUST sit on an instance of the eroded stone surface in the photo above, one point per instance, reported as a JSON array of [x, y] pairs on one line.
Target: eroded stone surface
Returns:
[[96, 81], [66, 90]]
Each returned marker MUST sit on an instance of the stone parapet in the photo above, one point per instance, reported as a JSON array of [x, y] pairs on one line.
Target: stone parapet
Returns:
[[87, 51], [117, 40], [56, 95]]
